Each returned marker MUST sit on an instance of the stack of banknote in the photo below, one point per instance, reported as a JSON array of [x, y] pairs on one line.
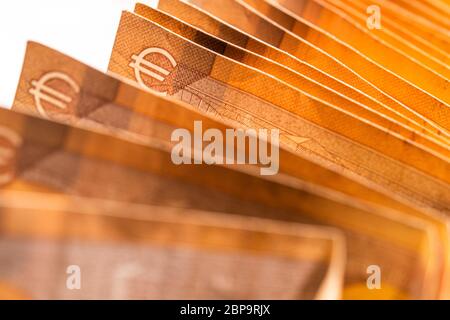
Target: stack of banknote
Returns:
[[235, 149]]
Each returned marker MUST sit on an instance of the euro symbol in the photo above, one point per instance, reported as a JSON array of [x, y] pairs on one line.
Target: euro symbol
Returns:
[[9, 141], [143, 66], [42, 92]]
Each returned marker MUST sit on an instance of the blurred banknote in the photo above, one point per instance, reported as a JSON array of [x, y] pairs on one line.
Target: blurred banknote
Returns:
[[235, 149], [125, 251], [54, 158]]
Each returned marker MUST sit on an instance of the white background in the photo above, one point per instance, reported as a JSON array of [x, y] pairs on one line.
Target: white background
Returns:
[[83, 29]]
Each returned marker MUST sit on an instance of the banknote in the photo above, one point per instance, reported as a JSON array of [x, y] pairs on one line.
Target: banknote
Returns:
[[424, 28], [366, 95], [54, 158], [391, 30], [314, 44], [383, 46], [376, 42], [252, 99], [103, 100], [142, 108], [430, 10], [439, 5], [122, 97], [295, 79], [234, 149], [126, 251]]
